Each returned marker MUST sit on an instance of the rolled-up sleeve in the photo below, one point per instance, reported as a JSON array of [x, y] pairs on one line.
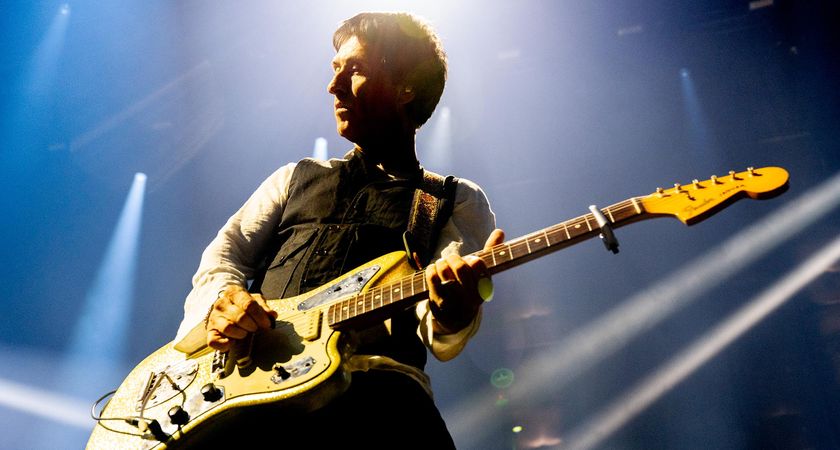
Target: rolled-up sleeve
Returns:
[[236, 251], [466, 231]]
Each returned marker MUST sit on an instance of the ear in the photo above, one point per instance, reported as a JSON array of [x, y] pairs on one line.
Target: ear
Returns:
[[405, 95]]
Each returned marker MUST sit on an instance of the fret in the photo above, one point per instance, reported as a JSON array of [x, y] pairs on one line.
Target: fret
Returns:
[[380, 294], [398, 291], [512, 248], [501, 256], [503, 252], [556, 232], [636, 205], [345, 310], [537, 244], [609, 213]]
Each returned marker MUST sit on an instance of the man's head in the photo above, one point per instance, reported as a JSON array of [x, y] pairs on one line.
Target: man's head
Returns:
[[385, 60]]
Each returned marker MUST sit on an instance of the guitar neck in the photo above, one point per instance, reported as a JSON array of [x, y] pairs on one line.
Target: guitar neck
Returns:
[[380, 302]]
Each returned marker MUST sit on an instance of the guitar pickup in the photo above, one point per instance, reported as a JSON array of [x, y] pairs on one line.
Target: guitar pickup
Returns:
[[311, 329]]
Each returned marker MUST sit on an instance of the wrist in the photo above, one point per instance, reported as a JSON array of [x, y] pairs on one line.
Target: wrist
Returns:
[[450, 322], [219, 295]]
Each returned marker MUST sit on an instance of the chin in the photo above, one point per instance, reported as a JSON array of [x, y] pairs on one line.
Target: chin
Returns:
[[346, 132]]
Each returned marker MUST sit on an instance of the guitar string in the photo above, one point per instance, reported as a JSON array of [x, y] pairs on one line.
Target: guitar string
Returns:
[[517, 247]]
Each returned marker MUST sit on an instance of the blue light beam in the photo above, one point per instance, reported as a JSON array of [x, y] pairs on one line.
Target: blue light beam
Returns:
[[101, 330], [701, 145], [45, 59]]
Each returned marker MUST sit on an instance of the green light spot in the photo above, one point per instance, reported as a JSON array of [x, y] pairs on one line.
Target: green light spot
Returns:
[[502, 378]]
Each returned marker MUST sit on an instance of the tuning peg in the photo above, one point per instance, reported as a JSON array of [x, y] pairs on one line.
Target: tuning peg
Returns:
[[751, 170], [732, 175], [677, 187], [660, 192], [695, 183], [714, 179]]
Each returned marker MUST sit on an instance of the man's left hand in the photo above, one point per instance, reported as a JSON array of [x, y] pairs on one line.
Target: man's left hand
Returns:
[[453, 287]]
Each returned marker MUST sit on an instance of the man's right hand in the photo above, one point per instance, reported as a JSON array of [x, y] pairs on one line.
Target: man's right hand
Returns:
[[235, 314]]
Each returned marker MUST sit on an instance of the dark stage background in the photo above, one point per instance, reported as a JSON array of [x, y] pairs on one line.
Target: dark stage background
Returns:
[[551, 106]]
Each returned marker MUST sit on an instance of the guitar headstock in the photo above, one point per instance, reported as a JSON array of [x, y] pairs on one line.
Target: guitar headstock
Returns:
[[693, 202]]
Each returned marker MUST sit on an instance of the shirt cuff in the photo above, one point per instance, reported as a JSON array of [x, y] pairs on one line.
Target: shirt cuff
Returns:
[[444, 346]]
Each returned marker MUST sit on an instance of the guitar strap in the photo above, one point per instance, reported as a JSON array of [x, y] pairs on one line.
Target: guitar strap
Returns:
[[431, 208]]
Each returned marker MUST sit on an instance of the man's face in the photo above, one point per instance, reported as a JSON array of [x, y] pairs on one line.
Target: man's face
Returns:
[[366, 100]]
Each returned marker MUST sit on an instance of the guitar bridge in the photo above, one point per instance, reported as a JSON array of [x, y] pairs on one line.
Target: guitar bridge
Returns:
[[167, 383]]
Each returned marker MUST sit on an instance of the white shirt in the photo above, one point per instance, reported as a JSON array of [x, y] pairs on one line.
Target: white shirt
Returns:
[[234, 255]]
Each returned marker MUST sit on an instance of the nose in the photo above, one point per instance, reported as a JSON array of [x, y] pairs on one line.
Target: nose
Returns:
[[337, 86]]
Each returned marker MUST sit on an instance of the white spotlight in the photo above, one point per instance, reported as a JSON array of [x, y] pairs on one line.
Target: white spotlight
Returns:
[[320, 150]]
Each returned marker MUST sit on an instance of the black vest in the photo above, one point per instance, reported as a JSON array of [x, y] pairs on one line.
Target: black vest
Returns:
[[338, 217]]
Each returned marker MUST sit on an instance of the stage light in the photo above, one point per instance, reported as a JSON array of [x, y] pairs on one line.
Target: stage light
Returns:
[[702, 144], [320, 149], [45, 59], [50, 405], [620, 412], [438, 149], [103, 324]]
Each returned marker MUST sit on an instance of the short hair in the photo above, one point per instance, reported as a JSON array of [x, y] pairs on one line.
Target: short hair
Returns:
[[411, 51]]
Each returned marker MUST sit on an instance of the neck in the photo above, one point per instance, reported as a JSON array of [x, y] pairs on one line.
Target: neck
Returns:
[[394, 154]]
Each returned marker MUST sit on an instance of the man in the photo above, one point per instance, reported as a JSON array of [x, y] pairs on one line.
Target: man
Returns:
[[312, 221]]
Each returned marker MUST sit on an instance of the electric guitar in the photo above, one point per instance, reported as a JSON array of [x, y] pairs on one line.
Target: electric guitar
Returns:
[[180, 391]]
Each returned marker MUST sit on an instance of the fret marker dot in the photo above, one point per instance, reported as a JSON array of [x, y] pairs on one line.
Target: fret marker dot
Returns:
[[376, 297], [577, 226], [502, 252], [345, 308], [537, 240]]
